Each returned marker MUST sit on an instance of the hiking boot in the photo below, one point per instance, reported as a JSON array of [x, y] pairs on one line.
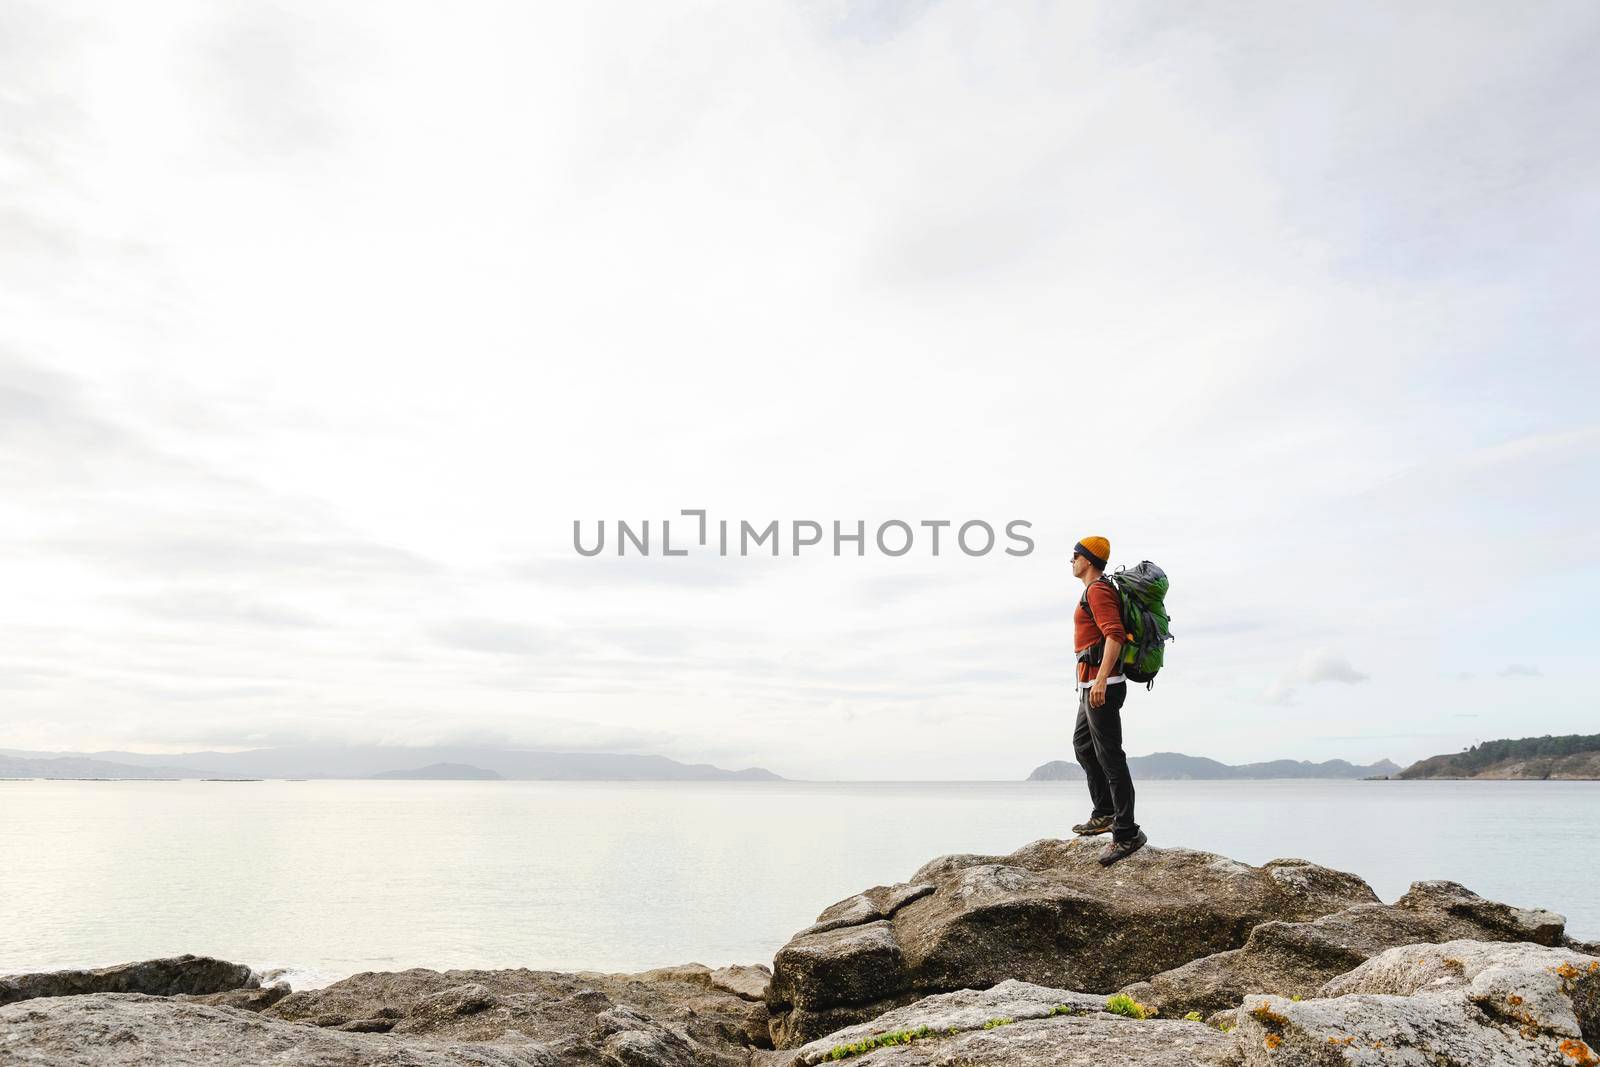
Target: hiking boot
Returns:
[[1097, 824], [1118, 849]]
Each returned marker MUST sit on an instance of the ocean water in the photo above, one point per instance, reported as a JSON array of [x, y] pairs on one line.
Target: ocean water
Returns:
[[324, 879]]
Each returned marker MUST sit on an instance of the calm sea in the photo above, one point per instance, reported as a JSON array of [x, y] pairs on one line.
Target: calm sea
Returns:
[[329, 878]]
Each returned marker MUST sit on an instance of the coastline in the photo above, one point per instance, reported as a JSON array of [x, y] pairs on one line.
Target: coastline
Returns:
[[1231, 957]]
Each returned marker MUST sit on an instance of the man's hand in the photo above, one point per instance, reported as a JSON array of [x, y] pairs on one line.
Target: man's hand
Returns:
[[1113, 656]]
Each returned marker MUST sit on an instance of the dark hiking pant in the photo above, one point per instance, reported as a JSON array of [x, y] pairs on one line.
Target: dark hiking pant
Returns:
[[1097, 740]]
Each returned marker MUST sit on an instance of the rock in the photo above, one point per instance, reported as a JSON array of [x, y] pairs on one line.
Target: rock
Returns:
[[586, 1017], [758, 1026], [1509, 923], [1047, 913], [106, 1029], [452, 1003], [1069, 1041], [1295, 959], [965, 1009], [246, 999], [879, 902], [631, 1039], [749, 982], [1035, 1032], [378, 1024], [1459, 1004], [160, 978], [1556, 989], [847, 964]]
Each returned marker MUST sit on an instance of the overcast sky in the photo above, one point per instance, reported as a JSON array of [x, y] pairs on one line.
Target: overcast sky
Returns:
[[320, 324]]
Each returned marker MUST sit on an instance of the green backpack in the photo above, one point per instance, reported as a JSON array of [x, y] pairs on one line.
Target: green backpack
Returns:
[[1142, 593]]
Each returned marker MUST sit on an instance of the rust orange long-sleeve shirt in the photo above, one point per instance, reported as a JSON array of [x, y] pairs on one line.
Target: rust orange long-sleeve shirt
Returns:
[[1103, 619]]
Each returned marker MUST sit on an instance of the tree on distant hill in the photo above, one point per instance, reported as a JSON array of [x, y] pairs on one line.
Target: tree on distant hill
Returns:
[[1489, 752], [1486, 754]]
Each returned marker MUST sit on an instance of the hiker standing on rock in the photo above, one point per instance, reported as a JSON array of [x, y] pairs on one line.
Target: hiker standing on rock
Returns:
[[1098, 639]]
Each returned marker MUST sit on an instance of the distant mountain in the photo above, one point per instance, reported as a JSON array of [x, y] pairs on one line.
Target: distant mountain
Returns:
[[364, 761], [455, 772], [1333, 768], [1567, 757], [80, 767], [1171, 766]]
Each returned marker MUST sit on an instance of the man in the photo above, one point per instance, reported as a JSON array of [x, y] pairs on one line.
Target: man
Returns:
[[1098, 638]]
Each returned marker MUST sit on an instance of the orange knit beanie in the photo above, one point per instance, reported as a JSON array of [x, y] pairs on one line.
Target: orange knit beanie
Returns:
[[1096, 549]]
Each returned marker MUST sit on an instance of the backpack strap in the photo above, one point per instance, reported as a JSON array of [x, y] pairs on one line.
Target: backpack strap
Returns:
[[1084, 602], [1095, 652]]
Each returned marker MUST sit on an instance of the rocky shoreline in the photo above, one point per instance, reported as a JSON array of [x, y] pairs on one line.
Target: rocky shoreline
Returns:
[[1040, 957]]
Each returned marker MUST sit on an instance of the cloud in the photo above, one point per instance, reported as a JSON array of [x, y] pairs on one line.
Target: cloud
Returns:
[[631, 572], [1325, 668], [258, 549], [891, 588], [271, 72], [339, 315], [1533, 447], [1315, 667], [114, 499], [55, 441], [220, 606], [1224, 628], [504, 638], [1381, 737]]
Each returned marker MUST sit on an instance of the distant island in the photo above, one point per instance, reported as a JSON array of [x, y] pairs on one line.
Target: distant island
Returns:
[[442, 772], [1175, 766], [1570, 757], [476, 762]]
